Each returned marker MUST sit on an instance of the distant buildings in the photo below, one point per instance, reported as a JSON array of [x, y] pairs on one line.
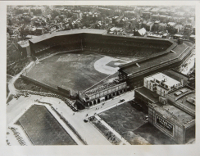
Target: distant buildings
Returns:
[[24, 48], [140, 32], [171, 27], [146, 15], [116, 31], [130, 14], [153, 19]]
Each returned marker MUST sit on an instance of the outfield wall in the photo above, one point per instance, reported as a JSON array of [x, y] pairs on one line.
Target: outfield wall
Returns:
[[53, 89]]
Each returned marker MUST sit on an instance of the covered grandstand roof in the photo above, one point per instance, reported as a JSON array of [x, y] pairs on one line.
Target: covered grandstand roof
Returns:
[[152, 63], [90, 31], [68, 32]]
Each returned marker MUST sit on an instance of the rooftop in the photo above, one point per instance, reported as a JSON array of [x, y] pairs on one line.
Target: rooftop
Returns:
[[173, 113], [163, 78], [69, 32], [142, 31], [184, 96], [154, 35], [153, 97], [23, 44], [115, 29], [172, 24], [150, 63], [176, 75]]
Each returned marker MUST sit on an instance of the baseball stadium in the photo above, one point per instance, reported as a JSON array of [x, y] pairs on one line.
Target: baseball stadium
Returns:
[[97, 66]]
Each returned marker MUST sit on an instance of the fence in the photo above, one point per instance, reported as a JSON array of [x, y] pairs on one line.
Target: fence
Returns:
[[70, 126], [51, 95]]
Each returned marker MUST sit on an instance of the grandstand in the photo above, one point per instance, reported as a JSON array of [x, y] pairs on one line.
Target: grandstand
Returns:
[[155, 54], [98, 41]]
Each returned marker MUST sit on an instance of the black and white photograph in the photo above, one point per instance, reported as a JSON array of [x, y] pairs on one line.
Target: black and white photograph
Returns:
[[100, 75]]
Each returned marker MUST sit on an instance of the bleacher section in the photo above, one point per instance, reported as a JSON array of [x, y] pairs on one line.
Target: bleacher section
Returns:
[[100, 43]]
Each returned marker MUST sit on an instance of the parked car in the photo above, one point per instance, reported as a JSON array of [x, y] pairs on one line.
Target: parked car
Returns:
[[146, 118], [122, 100], [85, 120]]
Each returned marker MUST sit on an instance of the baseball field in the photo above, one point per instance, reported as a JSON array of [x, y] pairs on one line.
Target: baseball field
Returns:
[[74, 71]]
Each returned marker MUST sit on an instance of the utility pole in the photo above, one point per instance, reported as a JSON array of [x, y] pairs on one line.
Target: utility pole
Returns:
[[81, 45]]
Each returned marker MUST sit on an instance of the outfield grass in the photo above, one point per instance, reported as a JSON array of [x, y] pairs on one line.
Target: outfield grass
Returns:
[[71, 71], [42, 128]]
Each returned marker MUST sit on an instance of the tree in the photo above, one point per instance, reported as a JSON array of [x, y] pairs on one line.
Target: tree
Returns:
[[9, 22], [54, 13]]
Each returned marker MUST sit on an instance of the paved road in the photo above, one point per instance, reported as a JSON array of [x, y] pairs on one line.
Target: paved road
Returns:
[[11, 86]]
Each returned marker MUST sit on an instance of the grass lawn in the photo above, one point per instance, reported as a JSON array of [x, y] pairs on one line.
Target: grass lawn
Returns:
[[42, 128]]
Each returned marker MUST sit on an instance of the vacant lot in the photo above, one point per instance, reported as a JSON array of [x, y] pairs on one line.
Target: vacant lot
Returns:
[[42, 128], [125, 119], [153, 135], [130, 124]]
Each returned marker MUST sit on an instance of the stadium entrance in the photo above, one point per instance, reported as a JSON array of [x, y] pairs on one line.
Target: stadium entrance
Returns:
[[103, 93]]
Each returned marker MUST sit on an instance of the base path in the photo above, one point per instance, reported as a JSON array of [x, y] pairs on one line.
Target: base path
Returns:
[[101, 65]]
